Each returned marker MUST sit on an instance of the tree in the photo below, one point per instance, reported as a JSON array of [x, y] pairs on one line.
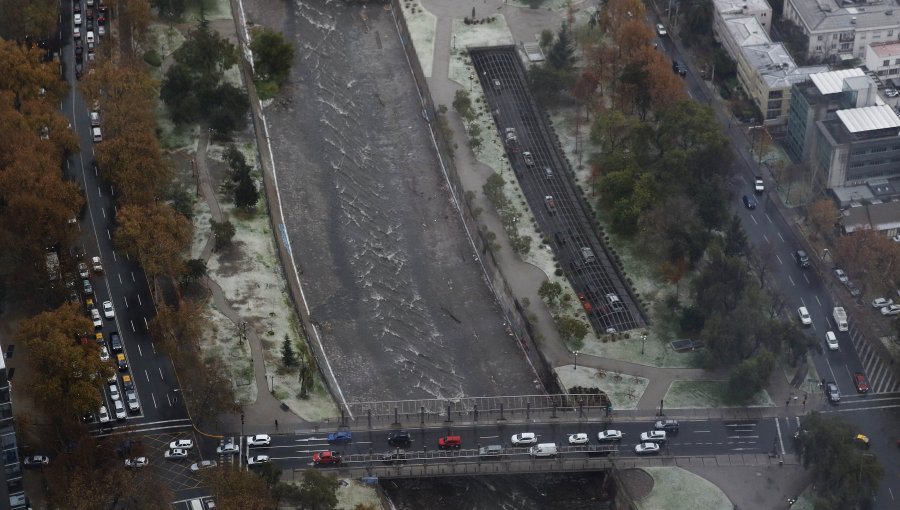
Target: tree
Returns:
[[170, 8], [175, 329], [318, 491], [571, 330], [234, 489], [750, 376], [272, 55], [227, 107], [562, 53], [823, 215], [66, 384], [34, 20], [194, 269], [736, 244], [156, 235], [844, 474], [721, 283], [245, 193], [550, 291], [223, 232], [288, 357]]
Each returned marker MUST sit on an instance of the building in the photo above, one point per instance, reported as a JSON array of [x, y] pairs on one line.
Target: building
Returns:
[[723, 10], [857, 146], [842, 29], [12, 493], [768, 74], [742, 32], [880, 216], [883, 59], [813, 100]]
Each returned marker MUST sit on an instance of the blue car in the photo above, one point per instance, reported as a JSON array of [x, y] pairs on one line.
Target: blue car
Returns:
[[340, 437], [749, 202]]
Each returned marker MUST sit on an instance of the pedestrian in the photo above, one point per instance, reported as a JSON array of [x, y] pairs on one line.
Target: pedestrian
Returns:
[[276, 424], [788, 402]]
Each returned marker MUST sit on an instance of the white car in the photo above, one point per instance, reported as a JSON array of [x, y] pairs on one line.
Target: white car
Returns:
[[137, 462], [176, 453], [882, 302], [524, 439], [205, 464], [104, 353], [661, 30], [78, 19], [120, 410], [654, 436], [841, 275], [646, 448], [890, 310], [759, 186], [96, 265], [95, 318], [580, 438], [108, 311], [227, 449], [805, 319], [831, 340], [114, 391], [259, 440], [257, 460], [529, 159], [133, 404], [891, 92], [610, 435], [103, 414], [181, 444], [76, 33]]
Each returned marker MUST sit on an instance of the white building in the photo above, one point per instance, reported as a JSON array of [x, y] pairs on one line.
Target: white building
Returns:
[[727, 9], [884, 60], [844, 28], [742, 32], [768, 73]]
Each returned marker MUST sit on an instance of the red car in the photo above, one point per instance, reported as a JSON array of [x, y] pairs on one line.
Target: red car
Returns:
[[862, 385], [588, 308], [326, 457], [449, 442]]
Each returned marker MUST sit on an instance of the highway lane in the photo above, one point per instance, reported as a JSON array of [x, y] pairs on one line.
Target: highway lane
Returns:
[[122, 282]]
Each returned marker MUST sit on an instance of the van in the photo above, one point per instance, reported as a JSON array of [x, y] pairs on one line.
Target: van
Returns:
[[544, 450], [614, 302], [196, 504], [97, 136], [95, 119], [491, 450], [587, 254]]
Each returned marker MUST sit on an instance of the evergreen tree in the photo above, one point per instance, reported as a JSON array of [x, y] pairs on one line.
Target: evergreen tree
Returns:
[[288, 356], [562, 54]]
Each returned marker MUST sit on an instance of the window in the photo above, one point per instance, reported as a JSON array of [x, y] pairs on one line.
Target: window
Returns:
[[893, 71], [890, 32], [897, 62], [773, 114], [776, 94], [820, 38], [819, 47], [879, 149], [885, 63]]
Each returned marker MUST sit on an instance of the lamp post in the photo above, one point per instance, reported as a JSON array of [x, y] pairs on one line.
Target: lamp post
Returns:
[[643, 339], [576, 360]]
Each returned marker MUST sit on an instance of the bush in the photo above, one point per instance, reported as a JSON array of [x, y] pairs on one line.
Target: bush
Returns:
[[152, 58]]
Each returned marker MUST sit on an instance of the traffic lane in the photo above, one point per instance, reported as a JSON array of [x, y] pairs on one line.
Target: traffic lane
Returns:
[[882, 426]]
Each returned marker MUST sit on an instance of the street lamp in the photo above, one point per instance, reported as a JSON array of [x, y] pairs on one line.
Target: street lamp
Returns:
[[643, 339], [576, 360]]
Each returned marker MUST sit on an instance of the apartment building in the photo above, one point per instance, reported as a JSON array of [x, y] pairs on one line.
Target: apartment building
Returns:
[[843, 29], [884, 60], [857, 146], [723, 10], [12, 493]]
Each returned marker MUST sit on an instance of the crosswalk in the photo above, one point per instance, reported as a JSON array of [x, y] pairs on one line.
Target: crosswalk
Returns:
[[879, 373]]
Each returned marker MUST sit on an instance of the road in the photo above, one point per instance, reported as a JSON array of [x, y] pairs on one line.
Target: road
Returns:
[[768, 230]]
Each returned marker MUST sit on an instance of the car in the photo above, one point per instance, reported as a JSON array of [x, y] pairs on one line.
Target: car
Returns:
[[121, 362], [831, 341], [76, 6], [83, 271], [342, 436], [882, 302], [609, 435], [749, 202], [87, 288], [76, 32], [228, 449], [653, 436], [840, 275], [890, 310], [661, 30], [96, 266], [491, 450], [89, 24], [95, 318], [832, 392], [176, 453], [137, 462], [805, 319], [103, 414], [645, 448], [667, 425], [854, 290], [114, 391], [257, 460], [77, 19], [104, 353], [101, 28], [896, 237], [512, 141], [203, 464], [127, 383], [120, 410], [36, 461], [395, 457], [447, 442], [802, 258], [524, 439], [497, 84], [862, 384], [115, 341], [678, 69], [181, 444], [326, 457], [550, 203], [88, 417], [108, 311], [133, 404], [400, 438], [259, 440], [585, 303], [580, 438], [758, 185], [529, 159], [891, 92]]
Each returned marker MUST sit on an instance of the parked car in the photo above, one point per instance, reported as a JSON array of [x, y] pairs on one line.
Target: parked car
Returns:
[[661, 30], [840, 275], [862, 384], [524, 439], [181, 444], [104, 353], [176, 453], [667, 425], [103, 414], [645, 448], [137, 462], [87, 287], [578, 439], [36, 461], [890, 310], [882, 302], [95, 318], [108, 311], [805, 318], [891, 92], [120, 410], [609, 435], [854, 290], [114, 391], [678, 69], [203, 464], [83, 270]]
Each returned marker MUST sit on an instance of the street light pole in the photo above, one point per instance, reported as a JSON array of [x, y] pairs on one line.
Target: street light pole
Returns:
[[576, 360], [643, 339]]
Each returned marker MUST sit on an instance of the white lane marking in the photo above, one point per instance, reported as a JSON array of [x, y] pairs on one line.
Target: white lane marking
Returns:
[[780, 440], [779, 259], [139, 300], [126, 301]]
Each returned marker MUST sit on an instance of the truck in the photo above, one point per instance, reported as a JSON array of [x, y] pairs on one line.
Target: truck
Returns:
[[840, 318]]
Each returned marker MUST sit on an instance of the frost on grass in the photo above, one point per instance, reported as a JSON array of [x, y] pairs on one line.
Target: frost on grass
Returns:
[[696, 394], [495, 33], [422, 27], [202, 216], [354, 492], [623, 390], [677, 489], [221, 341]]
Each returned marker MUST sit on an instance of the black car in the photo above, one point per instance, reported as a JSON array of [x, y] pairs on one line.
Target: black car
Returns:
[[832, 392], [115, 341], [749, 202], [678, 69], [400, 438]]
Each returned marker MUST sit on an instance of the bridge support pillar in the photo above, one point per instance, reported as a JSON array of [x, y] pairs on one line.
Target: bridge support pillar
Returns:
[[449, 416], [527, 411], [554, 411], [502, 418], [422, 415], [396, 419], [475, 412], [369, 416]]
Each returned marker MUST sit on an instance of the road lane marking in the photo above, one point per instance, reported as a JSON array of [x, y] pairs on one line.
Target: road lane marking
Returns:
[[126, 301], [108, 235], [754, 219], [132, 326], [779, 259], [833, 377], [153, 397], [139, 300], [132, 277], [792, 280], [103, 211], [99, 192], [780, 440], [766, 239], [160, 373], [806, 278], [146, 325], [817, 300], [120, 278]]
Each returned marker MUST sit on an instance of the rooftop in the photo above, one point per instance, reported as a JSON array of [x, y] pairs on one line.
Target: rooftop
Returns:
[[737, 6], [832, 15], [869, 118], [886, 49], [775, 65], [832, 82], [746, 31]]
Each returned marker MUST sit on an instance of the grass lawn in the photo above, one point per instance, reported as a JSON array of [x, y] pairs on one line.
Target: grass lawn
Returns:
[[692, 394]]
